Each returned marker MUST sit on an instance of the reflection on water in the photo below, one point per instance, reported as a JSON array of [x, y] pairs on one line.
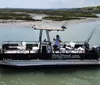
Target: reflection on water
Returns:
[[51, 76]]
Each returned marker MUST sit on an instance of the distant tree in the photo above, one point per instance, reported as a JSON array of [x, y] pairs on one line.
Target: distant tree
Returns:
[[98, 7]]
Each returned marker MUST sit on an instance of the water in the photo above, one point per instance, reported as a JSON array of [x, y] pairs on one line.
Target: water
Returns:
[[52, 76], [74, 32], [98, 15], [17, 34]]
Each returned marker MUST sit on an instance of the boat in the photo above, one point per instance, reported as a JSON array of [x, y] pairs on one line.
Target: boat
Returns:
[[36, 53]]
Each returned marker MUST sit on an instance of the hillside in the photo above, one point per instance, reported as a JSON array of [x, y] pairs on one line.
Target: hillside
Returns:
[[52, 14]]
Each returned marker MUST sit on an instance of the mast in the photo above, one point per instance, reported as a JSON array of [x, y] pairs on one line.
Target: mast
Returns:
[[48, 37], [40, 39]]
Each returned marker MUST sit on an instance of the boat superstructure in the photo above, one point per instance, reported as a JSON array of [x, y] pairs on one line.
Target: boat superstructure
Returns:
[[25, 53]]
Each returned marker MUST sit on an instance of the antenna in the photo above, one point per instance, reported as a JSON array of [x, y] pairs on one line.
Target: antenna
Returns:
[[90, 36]]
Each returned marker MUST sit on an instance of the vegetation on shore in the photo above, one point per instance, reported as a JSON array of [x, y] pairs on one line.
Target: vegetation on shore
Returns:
[[52, 14], [15, 16], [63, 15]]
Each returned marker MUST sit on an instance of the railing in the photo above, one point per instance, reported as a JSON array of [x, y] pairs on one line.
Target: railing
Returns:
[[18, 42], [30, 44]]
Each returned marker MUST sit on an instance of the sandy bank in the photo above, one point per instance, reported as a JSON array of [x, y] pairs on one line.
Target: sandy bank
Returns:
[[29, 24]]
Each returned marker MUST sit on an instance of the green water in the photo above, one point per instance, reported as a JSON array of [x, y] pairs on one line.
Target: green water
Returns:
[[51, 76]]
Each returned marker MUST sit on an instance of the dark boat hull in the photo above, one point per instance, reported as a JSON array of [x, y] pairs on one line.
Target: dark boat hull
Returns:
[[49, 56], [48, 59]]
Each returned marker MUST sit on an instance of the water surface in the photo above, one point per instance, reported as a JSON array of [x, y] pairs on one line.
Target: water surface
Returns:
[[51, 76], [74, 32]]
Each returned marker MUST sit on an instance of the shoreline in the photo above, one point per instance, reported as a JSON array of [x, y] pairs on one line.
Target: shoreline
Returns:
[[29, 24]]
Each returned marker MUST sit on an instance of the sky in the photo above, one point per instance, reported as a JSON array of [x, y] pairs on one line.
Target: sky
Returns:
[[48, 3]]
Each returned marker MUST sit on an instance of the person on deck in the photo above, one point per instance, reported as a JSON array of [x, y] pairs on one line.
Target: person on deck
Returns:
[[57, 43]]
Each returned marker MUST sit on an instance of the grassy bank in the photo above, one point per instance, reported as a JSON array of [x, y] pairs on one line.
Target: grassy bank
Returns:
[[64, 15], [56, 15], [15, 16]]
